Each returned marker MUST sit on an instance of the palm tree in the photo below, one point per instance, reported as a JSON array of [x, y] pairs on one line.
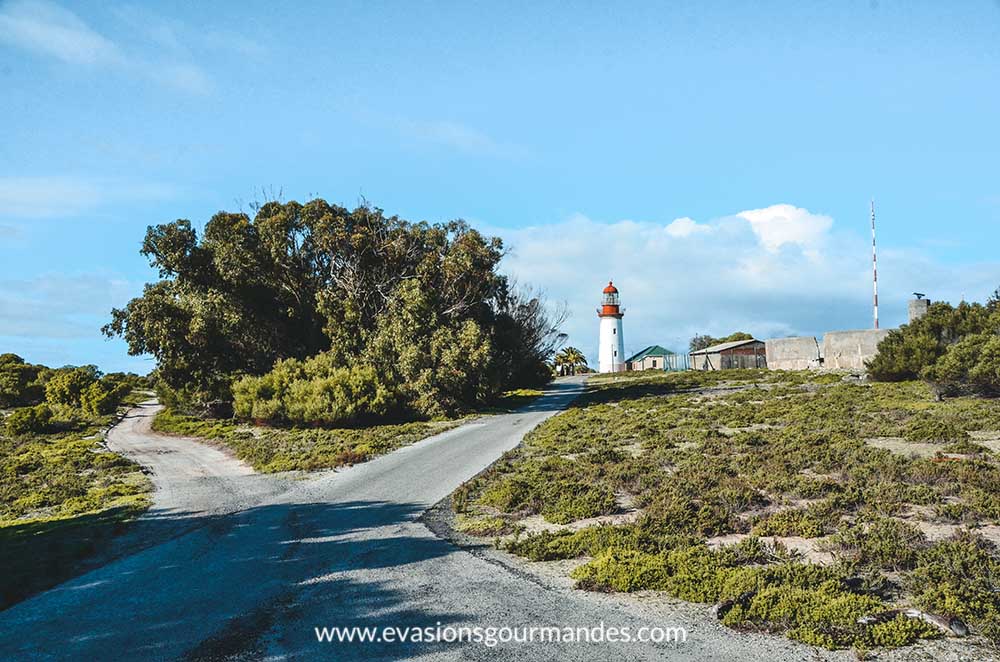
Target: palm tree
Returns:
[[571, 358]]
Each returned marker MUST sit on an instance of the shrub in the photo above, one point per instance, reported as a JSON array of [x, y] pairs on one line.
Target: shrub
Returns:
[[19, 385], [960, 577], [966, 447], [592, 540], [67, 385], [312, 392], [684, 515], [578, 500], [955, 348], [907, 351], [826, 616], [344, 395], [103, 396], [28, 420], [808, 602], [483, 526], [810, 522], [924, 428], [884, 543], [558, 501], [623, 570]]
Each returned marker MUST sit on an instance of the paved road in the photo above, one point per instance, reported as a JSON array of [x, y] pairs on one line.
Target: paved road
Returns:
[[257, 562]]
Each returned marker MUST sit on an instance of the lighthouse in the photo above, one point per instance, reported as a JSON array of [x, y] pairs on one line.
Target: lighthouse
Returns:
[[611, 351]]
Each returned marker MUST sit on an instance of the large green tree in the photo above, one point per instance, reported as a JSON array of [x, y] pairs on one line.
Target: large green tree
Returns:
[[298, 280], [907, 351], [954, 348]]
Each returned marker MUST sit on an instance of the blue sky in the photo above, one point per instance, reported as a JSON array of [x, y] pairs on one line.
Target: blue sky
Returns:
[[579, 132]]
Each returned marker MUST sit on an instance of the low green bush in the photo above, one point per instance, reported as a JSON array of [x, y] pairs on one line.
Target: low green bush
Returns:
[[809, 603], [28, 420], [700, 464], [484, 526], [67, 385], [313, 392], [826, 616], [271, 450], [103, 396], [882, 543], [960, 577], [623, 570], [966, 447], [810, 522], [933, 429]]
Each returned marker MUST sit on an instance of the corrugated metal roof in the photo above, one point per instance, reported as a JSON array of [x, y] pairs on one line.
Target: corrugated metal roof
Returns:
[[652, 350], [715, 349]]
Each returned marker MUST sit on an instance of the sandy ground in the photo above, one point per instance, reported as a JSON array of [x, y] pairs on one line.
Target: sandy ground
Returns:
[[241, 566]]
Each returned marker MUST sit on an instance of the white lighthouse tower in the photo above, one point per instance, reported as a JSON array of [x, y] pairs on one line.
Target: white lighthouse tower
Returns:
[[611, 351]]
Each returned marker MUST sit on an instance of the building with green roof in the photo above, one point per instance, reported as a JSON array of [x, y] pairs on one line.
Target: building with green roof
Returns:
[[656, 357]]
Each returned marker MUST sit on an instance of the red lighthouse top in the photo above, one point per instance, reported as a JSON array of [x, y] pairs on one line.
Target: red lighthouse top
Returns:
[[609, 302]]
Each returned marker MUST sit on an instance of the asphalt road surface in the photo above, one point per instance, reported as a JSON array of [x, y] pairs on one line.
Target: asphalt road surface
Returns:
[[233, 565]]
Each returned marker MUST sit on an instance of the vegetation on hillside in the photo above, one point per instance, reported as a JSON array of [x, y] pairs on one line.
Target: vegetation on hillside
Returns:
[[712, 487], [30, 392], [271, 450], [329, 316], [62, 496], [311, 448]]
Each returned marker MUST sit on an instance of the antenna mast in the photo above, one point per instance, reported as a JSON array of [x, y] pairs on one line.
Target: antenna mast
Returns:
[[874, 268]]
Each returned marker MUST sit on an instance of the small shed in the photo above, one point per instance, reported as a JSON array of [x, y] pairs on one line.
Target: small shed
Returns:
[[739, 354], [653, 357]]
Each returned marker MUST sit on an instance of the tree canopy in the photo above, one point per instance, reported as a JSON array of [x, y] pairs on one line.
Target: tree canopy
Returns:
[[702, 341], [423, 305], [570, 359], [955, 348]]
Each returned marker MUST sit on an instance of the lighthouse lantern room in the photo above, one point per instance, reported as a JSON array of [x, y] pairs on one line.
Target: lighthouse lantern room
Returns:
[[611, 351]]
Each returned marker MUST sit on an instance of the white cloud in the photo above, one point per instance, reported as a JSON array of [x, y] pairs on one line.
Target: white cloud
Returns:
[[64, 196], [685, 227], [773, 272], [779, 225], [47, 29]]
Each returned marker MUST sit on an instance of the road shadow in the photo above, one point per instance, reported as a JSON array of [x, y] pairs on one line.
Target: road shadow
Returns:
[[217, 591], [40, 554]]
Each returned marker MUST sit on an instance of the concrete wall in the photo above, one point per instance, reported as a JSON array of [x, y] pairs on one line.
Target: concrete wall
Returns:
[[799, 353], [918, 308], [848, 350]]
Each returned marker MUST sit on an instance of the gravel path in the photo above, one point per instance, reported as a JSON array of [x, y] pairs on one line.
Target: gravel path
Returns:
[[191, 478], [254, 563]]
